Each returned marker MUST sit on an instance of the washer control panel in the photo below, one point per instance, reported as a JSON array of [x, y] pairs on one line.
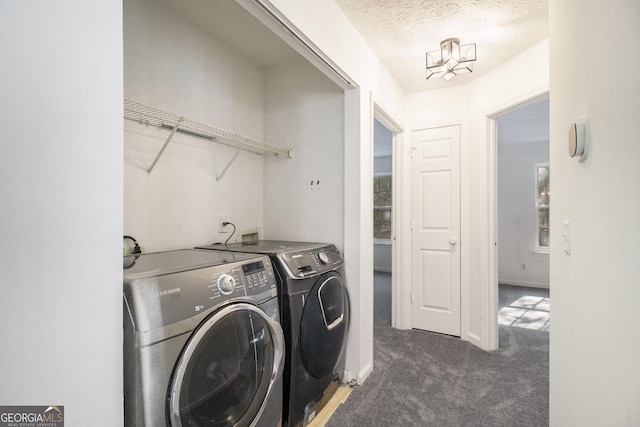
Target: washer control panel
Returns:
[[226, 284], [222, 285], [259, 277], [305, 263], [166, 298]]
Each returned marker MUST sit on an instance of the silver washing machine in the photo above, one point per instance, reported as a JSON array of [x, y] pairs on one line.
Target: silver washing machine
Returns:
[[203, 345], [314, 303]]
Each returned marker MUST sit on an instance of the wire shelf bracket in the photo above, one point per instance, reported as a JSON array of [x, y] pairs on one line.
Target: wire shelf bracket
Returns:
[[151, 116], [219, 177]]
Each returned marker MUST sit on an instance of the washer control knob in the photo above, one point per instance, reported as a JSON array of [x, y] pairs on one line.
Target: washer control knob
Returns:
[[323, 257], [226, 284]]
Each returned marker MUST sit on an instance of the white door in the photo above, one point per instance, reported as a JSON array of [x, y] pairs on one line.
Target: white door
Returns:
[[436, 230]]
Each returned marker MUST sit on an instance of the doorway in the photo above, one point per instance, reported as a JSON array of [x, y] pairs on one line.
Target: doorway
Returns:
[[382, 224], [388, 144], [522, 215]]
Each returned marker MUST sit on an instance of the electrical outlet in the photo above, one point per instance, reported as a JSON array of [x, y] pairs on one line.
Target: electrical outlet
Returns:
[[221, 220]]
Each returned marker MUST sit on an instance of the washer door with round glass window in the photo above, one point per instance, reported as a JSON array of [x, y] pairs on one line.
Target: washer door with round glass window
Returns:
[[229, 372]]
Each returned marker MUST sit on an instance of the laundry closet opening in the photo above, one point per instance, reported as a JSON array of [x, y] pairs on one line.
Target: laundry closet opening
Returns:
[[382, 223], [215, 63], [524, 200]]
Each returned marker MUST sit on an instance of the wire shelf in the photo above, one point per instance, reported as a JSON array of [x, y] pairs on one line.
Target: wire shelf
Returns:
[[148, 115]]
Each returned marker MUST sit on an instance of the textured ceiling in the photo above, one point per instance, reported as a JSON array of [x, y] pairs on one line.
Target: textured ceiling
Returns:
[[400, 32]]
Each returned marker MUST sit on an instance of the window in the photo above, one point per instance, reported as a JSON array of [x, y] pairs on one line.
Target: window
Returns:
[[542, 206], [382, 185]]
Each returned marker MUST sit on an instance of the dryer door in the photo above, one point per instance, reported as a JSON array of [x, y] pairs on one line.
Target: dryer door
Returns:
[[323, 326], [227, 369]]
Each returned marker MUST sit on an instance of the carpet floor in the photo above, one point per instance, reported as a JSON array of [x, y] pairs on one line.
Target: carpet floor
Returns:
[[427, 379]]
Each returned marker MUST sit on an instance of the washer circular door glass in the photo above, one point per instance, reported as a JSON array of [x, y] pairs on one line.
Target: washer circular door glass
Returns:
[[226, 370], [323, 326]]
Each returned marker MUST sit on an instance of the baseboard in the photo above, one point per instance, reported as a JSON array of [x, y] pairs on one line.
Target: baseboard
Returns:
[[364, 373], [524, 284], [476, 340]]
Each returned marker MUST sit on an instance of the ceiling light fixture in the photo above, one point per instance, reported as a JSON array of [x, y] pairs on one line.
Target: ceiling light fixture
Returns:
[[451, 60]]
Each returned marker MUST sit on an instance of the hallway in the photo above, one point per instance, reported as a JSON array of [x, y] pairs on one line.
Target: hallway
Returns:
[[422, 378]]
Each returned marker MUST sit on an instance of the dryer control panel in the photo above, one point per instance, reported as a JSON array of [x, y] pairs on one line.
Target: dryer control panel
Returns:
[[310, 262]]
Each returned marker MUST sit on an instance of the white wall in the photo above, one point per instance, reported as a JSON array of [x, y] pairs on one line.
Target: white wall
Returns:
[[173, 65], [344, 45], [349, 51], [382, 257], [304, 196], [594, 369], [382, 164], [517, 214], [61, 216], [470, 105]]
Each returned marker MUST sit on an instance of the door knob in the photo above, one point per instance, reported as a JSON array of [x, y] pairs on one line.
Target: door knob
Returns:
[[453, 240]]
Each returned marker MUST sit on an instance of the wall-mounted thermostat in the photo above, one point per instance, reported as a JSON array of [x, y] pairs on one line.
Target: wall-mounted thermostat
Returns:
[[578, 140]]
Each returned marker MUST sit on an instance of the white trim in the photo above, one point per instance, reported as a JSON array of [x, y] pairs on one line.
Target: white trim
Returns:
[[541, 250], [492, 305], [359, 350], [382, 241], [465, 234], [364, 373], [397, 258], [276, 21], [526, 284], [537, 95], [475, 340], [386, 119]]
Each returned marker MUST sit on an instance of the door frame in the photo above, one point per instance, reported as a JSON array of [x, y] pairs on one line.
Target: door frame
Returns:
[[492, 303], [397, 211]]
